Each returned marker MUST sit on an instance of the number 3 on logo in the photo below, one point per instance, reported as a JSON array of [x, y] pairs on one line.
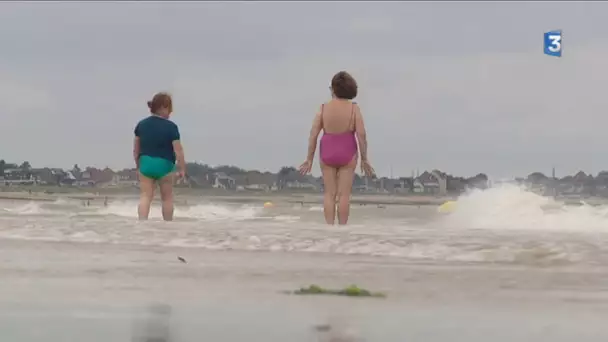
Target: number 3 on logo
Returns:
[[553, 43]]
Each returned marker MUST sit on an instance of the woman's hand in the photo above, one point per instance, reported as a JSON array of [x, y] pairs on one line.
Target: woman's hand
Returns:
[[367, 168], [306, 167]]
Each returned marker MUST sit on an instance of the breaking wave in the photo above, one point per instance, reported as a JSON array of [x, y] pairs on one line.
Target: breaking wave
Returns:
[[505, 224], [510, 207]]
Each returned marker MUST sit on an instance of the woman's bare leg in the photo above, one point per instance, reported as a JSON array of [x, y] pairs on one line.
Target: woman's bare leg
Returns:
[[346, 175], [146, 187], [166, 196], [330, 181]]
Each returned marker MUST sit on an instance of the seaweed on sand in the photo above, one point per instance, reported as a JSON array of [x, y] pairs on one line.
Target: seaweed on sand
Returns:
[[350, 291]]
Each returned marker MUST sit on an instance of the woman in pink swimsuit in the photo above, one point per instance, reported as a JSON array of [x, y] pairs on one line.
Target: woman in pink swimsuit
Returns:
[[341, 120]]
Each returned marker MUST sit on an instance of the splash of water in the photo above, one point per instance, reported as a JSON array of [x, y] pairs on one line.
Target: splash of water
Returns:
[[510, 207]]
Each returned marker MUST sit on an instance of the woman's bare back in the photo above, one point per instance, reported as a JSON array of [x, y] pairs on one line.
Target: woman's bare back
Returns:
[[338, 116]]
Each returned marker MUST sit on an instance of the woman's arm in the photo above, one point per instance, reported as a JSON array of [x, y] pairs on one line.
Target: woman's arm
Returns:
[[136, 151], [361, 134], [180, 159], [136, 148], [317, 125], [179, 156]]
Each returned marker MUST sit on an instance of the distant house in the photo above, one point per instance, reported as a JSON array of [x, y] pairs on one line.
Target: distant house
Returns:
[[434, 182], [94, 177], [255, 181], [19, 177], [84, 179], [126, 177], [392, 185], [204, 180], [368, 185], [223, 181], [52, 176], [68, 176], [403, 185], [301, 185]]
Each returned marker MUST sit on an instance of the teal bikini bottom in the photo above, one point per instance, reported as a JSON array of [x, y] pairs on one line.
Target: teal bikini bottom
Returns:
[[154, 167]]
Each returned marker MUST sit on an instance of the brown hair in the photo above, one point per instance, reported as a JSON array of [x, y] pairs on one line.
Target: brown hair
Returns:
[[344, 86], [160, 100]]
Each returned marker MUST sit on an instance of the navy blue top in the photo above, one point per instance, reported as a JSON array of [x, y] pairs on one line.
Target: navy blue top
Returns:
[[156, 137]]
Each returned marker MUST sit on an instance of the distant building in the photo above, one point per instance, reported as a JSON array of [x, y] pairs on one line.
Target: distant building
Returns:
[[434, 182], [125, 178], [223, 181], [19, 177]]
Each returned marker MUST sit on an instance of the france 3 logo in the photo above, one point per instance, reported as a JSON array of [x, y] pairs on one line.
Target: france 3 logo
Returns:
[[553, 43]]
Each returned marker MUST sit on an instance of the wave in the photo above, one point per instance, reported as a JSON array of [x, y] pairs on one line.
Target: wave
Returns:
[[510, 207], [505, 224]]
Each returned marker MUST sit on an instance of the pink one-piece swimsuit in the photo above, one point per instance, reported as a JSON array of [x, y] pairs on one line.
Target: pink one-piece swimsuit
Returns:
[[338, 149]]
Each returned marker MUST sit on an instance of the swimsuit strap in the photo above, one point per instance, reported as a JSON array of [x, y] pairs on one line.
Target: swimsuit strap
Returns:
[[322, 112], [352, 117]]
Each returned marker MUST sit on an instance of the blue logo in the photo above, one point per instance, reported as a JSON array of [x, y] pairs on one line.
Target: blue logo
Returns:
[[553, 43]]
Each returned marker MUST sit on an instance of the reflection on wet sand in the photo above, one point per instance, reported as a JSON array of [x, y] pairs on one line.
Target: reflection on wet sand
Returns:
[[155, 326]]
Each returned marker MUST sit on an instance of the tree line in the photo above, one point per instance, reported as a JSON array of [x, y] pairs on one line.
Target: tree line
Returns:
[[7, 166]]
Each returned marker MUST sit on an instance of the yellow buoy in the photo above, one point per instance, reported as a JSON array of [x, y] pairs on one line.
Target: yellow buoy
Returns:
[[268, 205], [447, 207]]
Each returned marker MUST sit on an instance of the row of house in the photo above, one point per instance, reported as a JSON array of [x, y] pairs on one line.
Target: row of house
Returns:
[[580, 184], [429, 182], [252, 181], [432, 182], [75, 177], [93, 177]]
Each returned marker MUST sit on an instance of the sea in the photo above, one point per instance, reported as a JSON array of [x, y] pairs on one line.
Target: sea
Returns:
[[504, 265]]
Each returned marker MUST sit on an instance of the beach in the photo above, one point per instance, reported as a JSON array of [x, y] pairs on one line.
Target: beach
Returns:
[[499, 268]]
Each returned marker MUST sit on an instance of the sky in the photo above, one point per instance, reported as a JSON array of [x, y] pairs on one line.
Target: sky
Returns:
[[463, 87]]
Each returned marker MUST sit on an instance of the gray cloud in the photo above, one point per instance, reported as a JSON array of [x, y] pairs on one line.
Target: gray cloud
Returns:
[[463, 87]]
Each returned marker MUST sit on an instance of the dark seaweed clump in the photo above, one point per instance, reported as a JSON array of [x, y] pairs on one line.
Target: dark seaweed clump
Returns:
[[350, 291]]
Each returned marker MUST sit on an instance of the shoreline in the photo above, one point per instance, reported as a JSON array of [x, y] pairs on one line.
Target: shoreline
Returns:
[[48, 195], [51, 194]]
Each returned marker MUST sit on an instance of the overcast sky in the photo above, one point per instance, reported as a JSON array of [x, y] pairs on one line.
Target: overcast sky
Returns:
[[461, 87]]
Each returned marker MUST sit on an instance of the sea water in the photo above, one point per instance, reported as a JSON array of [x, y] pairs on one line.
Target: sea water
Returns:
[[505, 265]]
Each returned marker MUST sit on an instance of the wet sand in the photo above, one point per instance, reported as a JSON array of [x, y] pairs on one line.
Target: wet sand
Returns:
[[102, 287], [77, 273]]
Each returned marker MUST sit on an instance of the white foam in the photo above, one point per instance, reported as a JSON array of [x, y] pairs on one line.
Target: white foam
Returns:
[[208, 212], [61, 201], [510, 207], [286, 218], [501, 224], [30, 208]]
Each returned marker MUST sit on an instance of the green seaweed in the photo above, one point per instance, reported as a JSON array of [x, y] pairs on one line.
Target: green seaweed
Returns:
[[350, 291]]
